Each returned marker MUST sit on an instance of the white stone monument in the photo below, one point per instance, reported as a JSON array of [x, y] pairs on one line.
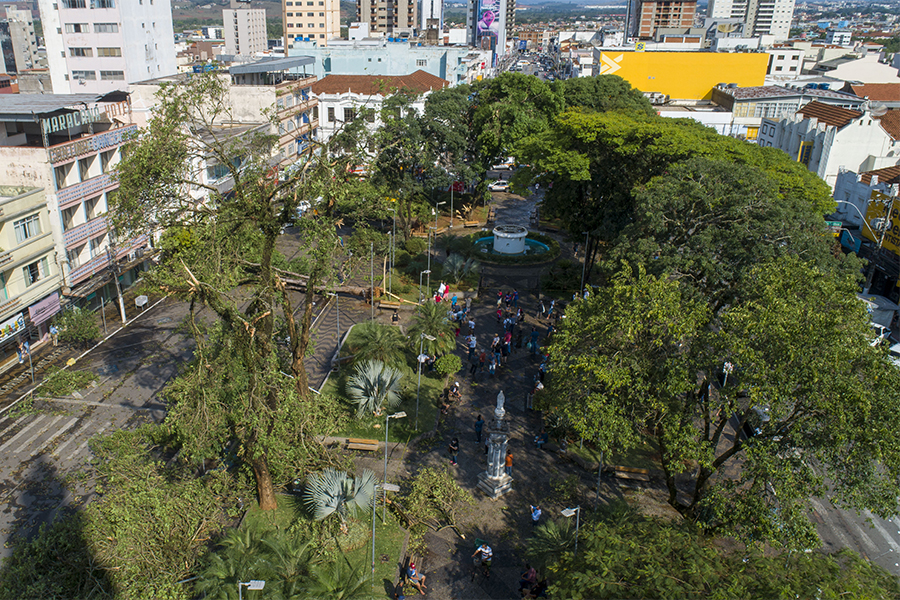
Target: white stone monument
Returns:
[[494, 481]]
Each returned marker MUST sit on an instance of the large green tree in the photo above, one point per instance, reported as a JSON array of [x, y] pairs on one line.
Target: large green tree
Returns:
[[235, 389], [602, 93]]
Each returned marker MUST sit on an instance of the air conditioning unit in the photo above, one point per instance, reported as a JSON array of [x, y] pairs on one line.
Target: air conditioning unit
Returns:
[[139, 252]]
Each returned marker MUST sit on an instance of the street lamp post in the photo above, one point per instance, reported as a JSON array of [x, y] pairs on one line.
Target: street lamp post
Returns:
[[419, 359], [253, 584], [420, 282], [568, 512], [387, 419]]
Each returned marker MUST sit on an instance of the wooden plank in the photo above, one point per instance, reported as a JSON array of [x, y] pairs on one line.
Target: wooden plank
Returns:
[[632, 476], [361, 441], [632, 470], [367, 447]]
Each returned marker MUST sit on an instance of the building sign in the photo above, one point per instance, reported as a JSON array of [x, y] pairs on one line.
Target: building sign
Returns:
[[12, 327], [487, 29], [72, 119], [851, 242], [44, 309], [878, 209], [90, 145]]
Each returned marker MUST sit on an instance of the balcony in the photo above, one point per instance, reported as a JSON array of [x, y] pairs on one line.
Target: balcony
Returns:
[[5, 258], [91, 267], [86, 189], [80, 233]]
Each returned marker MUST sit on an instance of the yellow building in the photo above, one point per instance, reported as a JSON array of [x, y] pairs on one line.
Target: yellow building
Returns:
[[685, 75]]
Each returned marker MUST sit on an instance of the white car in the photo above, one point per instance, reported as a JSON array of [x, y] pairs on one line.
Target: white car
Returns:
[[501, 185]]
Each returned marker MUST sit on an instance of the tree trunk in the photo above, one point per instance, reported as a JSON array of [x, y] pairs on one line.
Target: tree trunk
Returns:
[[265, 489], [670, 477]]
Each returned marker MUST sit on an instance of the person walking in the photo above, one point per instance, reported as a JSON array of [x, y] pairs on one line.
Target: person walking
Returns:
[[534, 340], [509, 461], [515, 298], [453, 449], [483, 555], [479, 427], [482, 360], [54, 335], [468, 303], [473, 361], [535, 515], [472, 343]]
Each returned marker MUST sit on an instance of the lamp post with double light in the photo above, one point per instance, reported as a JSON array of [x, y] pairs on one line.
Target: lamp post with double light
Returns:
[[428, 272], [253, 584]]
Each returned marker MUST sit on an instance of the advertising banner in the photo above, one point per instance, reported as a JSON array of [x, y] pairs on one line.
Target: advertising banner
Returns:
[[877, 209], [487, 29], [11, 327], [43, 310]]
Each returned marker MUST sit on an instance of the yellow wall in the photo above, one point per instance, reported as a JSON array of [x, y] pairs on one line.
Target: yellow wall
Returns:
[[685, 75]]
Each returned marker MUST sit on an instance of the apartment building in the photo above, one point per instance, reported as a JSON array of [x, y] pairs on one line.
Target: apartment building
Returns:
[[760, 17], [18, 43], [391, 18], [98, 46], [651, 15], [432, 15], [318, 20], [785, 63], [244, 29], [68, 145], [29, 273], [491, 23]]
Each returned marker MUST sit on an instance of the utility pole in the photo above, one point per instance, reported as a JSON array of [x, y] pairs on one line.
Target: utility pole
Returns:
[[114, 268], [372, 274]]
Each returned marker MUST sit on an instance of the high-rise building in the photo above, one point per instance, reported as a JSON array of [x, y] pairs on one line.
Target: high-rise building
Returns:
[[97, 46], [395, 18], [762, 17], [244, 28], [17, 40], [433, 11], [491, 23], [318, 20], [650, 15]]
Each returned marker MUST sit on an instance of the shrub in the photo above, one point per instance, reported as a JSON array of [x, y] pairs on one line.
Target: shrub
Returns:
[[415, 246], [402, 258], [447, 365], [78, 326]]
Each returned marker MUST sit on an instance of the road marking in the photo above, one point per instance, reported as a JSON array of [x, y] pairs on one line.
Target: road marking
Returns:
[[884, 532], [65, 428], [74, 437], [19, 420], [21, 433], [85, 442], [836, 530], [38, 434]]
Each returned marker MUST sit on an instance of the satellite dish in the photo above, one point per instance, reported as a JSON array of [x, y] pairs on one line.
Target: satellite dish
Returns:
[[877, 109]]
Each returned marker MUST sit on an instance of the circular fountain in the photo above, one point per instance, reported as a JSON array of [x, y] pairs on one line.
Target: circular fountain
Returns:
[[509, 243], [509, 239]]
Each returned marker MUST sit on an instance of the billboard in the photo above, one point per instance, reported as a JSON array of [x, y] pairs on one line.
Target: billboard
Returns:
[[878, 207], [487, 29]]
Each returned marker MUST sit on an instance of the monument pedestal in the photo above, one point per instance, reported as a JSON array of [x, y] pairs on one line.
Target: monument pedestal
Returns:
[[494, 487]]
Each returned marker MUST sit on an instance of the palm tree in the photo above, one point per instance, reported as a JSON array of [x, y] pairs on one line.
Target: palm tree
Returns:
[[242, 557], [431, 319], [457, 267], [290, 560], [378, 342], [550, 541], [374, 386], [339, 580], [335, 492]]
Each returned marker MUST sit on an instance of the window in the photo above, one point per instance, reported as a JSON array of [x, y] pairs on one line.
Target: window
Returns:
[[112, 75], [331, 114], [310, 14], [106, 28], [96, 246], [290, 14], [81, 52], [321, 35], [780, 57], [321, 14], [315, 112], [103, 4], [28, 227], [109, 52], [4, 295], [322, 25], [84, 167], [349, 114], [421, 62], [300, 25], [35, 271], [106, 158], [78, 28], [74, 4], [68, 217], [73, 257]]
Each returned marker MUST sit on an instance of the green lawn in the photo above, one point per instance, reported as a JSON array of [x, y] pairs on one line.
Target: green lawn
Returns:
[[401, 430], [642, 457]]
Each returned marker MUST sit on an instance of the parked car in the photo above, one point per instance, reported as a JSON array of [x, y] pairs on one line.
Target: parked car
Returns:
[[501, 185]]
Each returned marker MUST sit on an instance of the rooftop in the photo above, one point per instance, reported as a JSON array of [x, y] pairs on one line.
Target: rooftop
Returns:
[[833, 116], [765, 92], [419, 82], [881, 92], [885, 175], [890, 122], [272, 65], [27, 107]]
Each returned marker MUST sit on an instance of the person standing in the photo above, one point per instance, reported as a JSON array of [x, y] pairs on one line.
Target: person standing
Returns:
[[468, 303], [535, 515], [479, 427], [54, 335], [473, 361], [472, 342], [509, 462], [515, 298], [484, 560], [482, 360], [534, 340], [453, 450]]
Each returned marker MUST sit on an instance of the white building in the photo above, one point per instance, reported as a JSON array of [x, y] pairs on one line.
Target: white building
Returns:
[[828, 139], [853, 190], [761, 17], [839, 37], [785, 64], [245, 29], [433, 10], [342, 97], [318, 20], [98, 46], [17, 41]]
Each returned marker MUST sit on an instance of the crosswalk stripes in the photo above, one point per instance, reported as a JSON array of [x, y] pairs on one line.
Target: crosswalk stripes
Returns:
[[49, 440], [19, 420], [25, 430], [40, 432], [85, 442], [884, 532], [71, 439]]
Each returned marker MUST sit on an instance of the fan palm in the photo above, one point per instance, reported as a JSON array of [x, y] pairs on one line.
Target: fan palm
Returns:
[[374, 386], [430, 319], [457, 267], [378, 342], [339, 580], [333, 491]]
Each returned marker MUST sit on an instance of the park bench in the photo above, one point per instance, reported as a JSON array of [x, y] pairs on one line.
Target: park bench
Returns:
[[390, 304], [359, 444], [471, 224], [629, 473]]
